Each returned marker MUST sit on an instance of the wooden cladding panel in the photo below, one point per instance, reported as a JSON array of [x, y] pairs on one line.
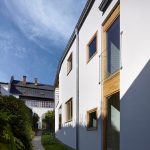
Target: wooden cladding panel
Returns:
[[111, 19], [112, 85]]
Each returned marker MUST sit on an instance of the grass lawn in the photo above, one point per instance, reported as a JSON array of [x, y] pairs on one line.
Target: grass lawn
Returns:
[[56, 146], [49, 142]]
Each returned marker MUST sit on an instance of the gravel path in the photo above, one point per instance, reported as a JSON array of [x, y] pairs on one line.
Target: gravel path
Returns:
[[37, 142]]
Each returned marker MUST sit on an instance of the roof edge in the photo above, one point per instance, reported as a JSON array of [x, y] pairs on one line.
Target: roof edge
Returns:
[[78, 26]]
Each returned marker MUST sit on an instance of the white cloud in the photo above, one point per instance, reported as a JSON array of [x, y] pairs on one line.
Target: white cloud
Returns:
[[38, 21], [54, 20], [9, 45]]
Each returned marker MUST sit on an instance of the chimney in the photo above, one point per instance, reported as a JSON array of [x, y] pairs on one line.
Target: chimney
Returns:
[[36, 81], [24, 79]]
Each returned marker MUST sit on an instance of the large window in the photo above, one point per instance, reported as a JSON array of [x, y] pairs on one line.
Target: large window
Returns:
[[110, 67], [113, 47], [69, 64], [113, 122], [92, 47], [69, 110], [92, 119]]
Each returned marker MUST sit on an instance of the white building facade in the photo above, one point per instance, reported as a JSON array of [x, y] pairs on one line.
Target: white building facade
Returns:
[[102, 85], [38, 97]]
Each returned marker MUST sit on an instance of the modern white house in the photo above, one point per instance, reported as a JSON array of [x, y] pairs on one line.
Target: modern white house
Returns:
[[102, 87]]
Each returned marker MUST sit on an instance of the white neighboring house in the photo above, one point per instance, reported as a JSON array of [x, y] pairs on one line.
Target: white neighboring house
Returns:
[[103, 80], [4, 89], [38, 97]]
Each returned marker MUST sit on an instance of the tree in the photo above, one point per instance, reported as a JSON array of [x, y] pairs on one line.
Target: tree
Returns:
[[50, 120], [15, 124], [35, 119]]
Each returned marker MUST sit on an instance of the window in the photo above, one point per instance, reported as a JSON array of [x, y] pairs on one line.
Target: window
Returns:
[[92, 119], [69, 64], [60, 117], [92, 47], [111, 64], [113, 122], [69, 110], [113, 47], [60, 120]]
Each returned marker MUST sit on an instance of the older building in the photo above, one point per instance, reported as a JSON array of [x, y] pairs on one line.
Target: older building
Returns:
[[102, 83], [4, 89], [39, 97]]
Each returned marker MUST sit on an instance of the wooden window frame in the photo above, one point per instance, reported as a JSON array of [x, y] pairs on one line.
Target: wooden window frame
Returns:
[[69, 68], [71, 110], [105, 27], [110, 84], [88, 58], [88, 119]]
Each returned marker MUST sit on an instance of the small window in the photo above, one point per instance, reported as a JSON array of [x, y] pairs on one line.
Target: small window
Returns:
[[69, 110], [60, 120], [92, 119], [92, 47], [69, 64]]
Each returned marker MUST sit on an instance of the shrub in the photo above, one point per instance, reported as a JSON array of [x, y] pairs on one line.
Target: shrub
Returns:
[[48, 139], [50, 120], [35, 119], [16, 123]]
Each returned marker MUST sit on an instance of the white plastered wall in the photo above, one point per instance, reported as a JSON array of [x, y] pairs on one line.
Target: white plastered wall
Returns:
[[89, 87], [40, 112], [89, 76], [135, 75], [67, 90]]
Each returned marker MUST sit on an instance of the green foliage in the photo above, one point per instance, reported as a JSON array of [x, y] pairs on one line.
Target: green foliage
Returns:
[[50, 120], [49, 141], [35, 119], [16, 123]]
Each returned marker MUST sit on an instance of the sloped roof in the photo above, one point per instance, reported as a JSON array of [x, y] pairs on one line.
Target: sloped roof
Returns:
[[31, 90]]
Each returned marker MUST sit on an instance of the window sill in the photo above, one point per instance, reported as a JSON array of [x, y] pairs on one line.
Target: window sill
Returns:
[[91, 128], [112, 75], [89, 59], [68, 121]]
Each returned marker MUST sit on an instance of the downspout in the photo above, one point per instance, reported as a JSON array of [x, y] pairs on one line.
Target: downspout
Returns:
[[77, 89]]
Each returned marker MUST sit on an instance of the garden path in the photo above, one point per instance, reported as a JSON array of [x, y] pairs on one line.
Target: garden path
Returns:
[[37, 142]]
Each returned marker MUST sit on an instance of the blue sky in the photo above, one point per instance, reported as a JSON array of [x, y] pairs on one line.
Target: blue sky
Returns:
[[33, 36]]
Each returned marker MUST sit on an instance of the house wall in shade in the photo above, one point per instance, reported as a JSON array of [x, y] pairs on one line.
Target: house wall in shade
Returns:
[[135, 75]]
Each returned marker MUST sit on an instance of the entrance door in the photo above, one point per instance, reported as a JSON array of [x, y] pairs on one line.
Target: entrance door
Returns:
[[113, 122]]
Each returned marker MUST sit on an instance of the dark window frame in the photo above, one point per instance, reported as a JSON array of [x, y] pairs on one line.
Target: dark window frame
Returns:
[[89, 128]]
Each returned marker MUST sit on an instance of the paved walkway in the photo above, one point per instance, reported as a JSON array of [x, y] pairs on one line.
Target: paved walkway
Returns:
[[37, 142]]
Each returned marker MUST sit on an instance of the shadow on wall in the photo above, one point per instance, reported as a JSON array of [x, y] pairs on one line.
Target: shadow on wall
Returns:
[[135, 113], [88, 140]]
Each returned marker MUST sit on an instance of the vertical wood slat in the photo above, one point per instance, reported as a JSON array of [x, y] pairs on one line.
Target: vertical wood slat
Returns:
[[110, 85]]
